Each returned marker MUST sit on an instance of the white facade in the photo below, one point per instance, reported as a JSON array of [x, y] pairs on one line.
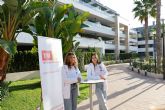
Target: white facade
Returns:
[[106, 24], [106, 29], [151, 48]]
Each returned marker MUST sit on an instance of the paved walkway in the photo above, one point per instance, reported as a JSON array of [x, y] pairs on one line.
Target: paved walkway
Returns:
[[130, 91]]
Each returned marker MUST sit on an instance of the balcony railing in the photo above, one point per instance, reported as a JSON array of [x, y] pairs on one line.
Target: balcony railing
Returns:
[[133, 48], [143, 42], [133, 40], [80, 5], [95, 8], [143, 49], [122, 34], [99, 28]]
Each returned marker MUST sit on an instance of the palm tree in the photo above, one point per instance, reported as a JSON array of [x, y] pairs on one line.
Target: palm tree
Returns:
[[60, 22], [158, 36], [14, 16], [142, 10]]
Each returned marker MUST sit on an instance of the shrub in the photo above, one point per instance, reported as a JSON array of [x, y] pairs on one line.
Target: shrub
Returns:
[[4, 90], [109, 62], [80, 58], [23, 61], [28, 61], [124, 56], [109, 56]]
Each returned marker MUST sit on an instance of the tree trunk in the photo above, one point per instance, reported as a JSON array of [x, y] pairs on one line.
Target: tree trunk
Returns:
[[146, 38], [158, 36], [4, 58]]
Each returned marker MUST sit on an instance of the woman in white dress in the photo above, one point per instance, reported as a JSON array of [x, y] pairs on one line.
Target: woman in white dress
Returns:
[[96, 71]]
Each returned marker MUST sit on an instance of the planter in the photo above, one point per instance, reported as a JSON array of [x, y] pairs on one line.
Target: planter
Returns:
[[136, 70], [158, 76], [151, 74], [130, 67], [145, 73]]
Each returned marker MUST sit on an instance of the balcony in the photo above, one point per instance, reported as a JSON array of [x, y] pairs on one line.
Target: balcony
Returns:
[[143, 49], [110, 46], [24, 38], [122, 34], [122, 47], [133, 40], [133, 48], [143, 42], [98, 28], [88, 42], [82, 6]]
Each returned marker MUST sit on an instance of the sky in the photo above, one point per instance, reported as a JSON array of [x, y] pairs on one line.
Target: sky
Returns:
[[124, 8]]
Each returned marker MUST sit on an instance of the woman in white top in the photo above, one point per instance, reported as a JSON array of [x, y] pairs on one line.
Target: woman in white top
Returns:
[[96, 71], [71, 76]]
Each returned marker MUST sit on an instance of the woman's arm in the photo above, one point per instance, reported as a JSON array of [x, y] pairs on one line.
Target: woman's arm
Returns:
[[79, 76], [67, 79], [104, 71]]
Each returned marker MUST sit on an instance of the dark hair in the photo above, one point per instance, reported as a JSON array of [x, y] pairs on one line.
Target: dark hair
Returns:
[[98, 60], [67, 60]]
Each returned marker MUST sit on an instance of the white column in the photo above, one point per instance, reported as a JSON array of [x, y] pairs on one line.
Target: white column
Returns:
[[117, 38], [126, 29]]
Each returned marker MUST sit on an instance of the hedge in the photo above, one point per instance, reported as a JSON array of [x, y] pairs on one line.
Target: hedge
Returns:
[[4, 90], [147, 66], [28, 61], [124, 56], [23, 61], [109, 57]]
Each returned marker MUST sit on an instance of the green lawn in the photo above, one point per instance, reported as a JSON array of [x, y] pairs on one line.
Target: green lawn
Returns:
[[25, 95]]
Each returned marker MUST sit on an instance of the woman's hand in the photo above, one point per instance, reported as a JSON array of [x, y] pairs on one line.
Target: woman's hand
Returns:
[[79, 79], [102, 77]]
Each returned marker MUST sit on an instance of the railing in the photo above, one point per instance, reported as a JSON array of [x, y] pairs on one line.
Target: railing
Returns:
[[95, 8], [99, 28], [122, 34]]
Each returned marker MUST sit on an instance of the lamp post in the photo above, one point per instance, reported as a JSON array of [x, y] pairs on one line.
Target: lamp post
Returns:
[[154, 44], [163, 50]]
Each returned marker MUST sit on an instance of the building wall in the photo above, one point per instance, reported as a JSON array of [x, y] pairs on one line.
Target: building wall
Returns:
[[106, 30], [151, 42]]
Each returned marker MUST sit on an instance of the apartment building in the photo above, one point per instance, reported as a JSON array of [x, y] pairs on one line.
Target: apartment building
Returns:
[[151, 41], [106, 30]]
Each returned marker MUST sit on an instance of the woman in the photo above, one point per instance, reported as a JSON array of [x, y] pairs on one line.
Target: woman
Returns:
[[71, 76], [96, 71]]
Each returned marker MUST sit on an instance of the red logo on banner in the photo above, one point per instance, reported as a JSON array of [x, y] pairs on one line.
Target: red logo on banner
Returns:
[[47, 55]]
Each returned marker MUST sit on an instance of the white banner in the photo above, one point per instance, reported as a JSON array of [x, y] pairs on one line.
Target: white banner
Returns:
[[51, 61]]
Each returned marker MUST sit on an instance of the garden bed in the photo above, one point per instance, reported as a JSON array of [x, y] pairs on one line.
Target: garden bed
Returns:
[[145, 73]]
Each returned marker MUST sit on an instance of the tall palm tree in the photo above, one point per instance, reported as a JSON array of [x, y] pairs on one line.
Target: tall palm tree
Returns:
[[14, 16], [143, 9], [158, 36]]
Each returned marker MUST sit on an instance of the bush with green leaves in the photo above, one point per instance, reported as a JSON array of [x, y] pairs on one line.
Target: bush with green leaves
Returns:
[[4, 90], [23, 61], [109, 56], [28, 61], [148, 66], [124, 56], [80, 58]]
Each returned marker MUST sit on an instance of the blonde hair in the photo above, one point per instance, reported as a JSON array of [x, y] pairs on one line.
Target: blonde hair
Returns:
[[67, 60]]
